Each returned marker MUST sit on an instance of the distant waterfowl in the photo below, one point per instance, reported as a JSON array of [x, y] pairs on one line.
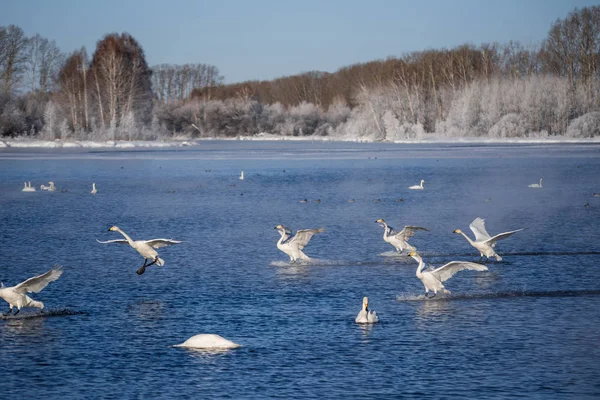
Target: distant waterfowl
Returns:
[[293, 245], [399, 239], [536, 185], [596, 194], [27, 188], [144, 247], [377, 201], [400, 200], [432, 279], [587, 204], [208, 341], [366, 316], [351, 201], [483, 242], [417, 187], [303, 201], [15, 295], [94, 190], [317, 201], [50, 188], [242, 176]]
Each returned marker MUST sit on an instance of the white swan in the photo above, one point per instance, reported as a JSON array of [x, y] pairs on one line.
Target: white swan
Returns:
[[27, 188], [144, 247], [432, 280], [536, 185], [366, 316], [94, 191], [399, 239], [50, 188], [418, 187], [15, 295], [483, 242], [208, 341], [242, 176], [293, 245]]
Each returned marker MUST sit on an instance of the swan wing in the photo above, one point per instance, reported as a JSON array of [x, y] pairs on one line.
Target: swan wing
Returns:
[[409, 231], [121, 241], [446, 272], [37, 283], [158, 243], [478, 228], [302, 237], [492, 241]]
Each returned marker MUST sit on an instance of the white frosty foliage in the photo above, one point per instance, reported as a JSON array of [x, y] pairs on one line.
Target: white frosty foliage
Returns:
[[586, 126]]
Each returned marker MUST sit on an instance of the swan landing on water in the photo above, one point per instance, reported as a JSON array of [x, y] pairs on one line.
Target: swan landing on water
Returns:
[[483, 242], [15, 295], [432, 280], [293, 245], [399, 239], [366, 316], [144, 247], [208, 341]]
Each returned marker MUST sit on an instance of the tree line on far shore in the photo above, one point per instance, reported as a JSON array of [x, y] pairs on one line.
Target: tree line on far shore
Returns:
[[487, 90]]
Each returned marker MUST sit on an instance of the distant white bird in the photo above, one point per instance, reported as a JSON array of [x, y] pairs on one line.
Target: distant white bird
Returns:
[[27, 188], [366, 316], [293, 245], [242, 176], [432, 280], [208, 341], [483, 242], [15, 295], [536, 185], [94, 191], [304, 201], [418, 187], [144, 247], [50, 188], [399, 239]]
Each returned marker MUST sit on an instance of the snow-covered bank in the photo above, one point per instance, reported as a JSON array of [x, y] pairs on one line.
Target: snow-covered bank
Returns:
[[432, 139], [54, 144]]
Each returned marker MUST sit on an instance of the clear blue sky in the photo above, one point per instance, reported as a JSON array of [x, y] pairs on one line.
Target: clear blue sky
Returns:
[[265, 39]]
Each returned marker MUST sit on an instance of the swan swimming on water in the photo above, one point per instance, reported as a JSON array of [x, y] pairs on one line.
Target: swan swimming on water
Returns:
[[432, 280], [418, 187], [483, 242], [242, 176], [208, 341], [399, 239], [144, 247], [27, 188], [293, 245], [15, 295], [366, 316], [50, 188], [94, 191], [537, 185]]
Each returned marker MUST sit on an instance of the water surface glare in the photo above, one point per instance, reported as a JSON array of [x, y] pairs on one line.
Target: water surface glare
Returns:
[[527, 327]]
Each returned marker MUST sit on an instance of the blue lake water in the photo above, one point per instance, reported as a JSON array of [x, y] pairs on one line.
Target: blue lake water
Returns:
[[528, 327]]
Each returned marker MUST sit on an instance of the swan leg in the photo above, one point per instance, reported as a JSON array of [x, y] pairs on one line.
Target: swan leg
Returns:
[[8, 313], [430, 297], [18, 311], [142, 268]]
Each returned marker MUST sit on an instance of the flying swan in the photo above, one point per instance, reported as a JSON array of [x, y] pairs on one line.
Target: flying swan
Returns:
[[15, 295], [293, 245], [144, 247], [417, 187], [483, 242], [537, 185], [94, 191], [432, 280], [399, 239], [366, 316], [208, 341]]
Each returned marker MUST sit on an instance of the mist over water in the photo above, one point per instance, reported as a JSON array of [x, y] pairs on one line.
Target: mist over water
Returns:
[[526, 327]]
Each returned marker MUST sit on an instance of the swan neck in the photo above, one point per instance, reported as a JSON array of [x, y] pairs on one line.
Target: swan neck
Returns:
[[420, 267], [129, 240], [466, 237]]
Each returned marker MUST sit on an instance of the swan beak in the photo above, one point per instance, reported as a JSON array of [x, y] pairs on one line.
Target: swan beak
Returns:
[[455, 231]]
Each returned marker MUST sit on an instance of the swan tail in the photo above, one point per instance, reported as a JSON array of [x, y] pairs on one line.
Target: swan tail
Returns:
[[37, 304], [160, 262]]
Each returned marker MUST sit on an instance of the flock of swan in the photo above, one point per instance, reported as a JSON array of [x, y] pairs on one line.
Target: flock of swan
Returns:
[[292, 245]]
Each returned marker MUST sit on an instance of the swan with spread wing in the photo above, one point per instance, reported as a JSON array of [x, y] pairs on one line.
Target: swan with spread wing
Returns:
[[15, 295], [146, 248], [483, 242], [432, 279], [399, 239], [293, 245]]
